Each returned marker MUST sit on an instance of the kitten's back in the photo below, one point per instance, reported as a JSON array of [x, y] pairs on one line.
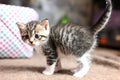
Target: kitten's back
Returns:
[[72, 38]]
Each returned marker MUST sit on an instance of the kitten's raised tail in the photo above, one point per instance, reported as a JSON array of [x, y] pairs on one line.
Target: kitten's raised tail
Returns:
[[101, 23]]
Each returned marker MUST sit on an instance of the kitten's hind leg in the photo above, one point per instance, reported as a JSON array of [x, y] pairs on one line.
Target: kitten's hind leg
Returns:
[[85, 60]]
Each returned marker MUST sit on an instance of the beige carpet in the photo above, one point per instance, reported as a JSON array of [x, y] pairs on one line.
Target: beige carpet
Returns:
[[105, 66]]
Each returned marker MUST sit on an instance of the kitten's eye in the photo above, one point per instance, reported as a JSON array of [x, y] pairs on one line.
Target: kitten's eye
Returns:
[[26, 36], [37, 36]]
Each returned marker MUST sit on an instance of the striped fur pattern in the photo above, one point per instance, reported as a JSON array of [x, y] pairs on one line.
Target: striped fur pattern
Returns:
[[104, 18], [68, 39]]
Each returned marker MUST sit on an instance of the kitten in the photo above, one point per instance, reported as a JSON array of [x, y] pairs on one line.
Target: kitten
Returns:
[[67, 39]]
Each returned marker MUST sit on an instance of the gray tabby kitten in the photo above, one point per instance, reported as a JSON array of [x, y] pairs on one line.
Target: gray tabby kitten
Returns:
[[68, 39]]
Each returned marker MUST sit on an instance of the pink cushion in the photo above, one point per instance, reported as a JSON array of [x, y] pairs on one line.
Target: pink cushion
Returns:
[[11, 45]]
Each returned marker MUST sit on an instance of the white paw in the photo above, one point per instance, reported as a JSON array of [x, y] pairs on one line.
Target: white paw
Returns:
[[46, 72], [78, 75]]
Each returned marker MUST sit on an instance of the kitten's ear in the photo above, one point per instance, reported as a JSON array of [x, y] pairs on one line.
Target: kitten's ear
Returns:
[[45, 23], [21, 26]]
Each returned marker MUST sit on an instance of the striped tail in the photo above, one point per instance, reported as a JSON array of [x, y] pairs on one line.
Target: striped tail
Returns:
[[104, 18]]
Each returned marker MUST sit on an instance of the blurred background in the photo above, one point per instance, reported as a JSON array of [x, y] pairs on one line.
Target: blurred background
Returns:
[[106, 57], [83, 12]]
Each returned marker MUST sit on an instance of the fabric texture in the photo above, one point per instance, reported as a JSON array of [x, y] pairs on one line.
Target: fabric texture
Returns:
[[105, 66], [11, 44]]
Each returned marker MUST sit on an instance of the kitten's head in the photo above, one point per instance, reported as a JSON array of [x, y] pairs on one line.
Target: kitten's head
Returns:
[[34, 33]]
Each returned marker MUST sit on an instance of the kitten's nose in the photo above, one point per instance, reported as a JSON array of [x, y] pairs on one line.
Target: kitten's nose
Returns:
[[31, 42]]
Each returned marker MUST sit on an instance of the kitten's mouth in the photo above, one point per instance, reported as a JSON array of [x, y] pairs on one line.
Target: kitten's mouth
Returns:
[[32, 44], [29, 43]]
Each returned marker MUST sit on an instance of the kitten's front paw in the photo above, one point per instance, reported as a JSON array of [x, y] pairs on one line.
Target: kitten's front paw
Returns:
[[46, 72]]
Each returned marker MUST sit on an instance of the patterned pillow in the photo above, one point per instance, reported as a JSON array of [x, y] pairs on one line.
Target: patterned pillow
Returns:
[[11, 44]]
